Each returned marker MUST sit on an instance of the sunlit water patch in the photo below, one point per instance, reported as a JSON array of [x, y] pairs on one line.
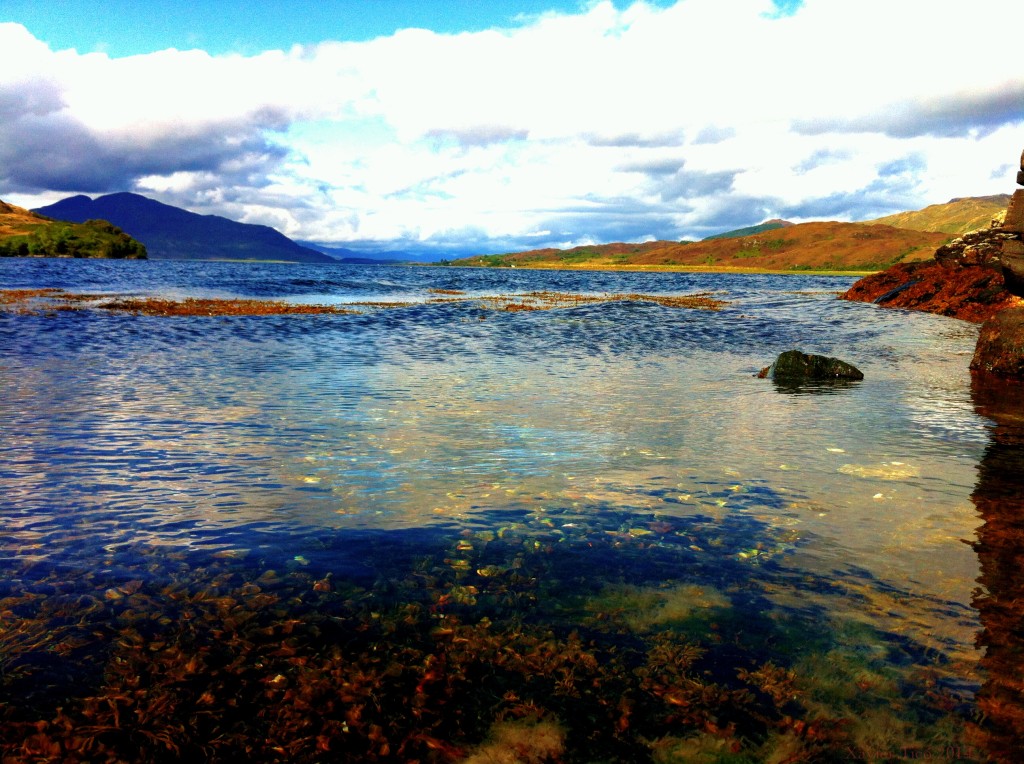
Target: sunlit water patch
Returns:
[[740, 569]]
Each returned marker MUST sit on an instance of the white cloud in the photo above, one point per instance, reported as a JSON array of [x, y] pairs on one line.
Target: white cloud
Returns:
[[648, 122]]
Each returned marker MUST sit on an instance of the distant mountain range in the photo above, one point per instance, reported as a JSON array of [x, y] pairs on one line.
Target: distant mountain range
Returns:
[[343, 255], [173, 233], [170, 232]]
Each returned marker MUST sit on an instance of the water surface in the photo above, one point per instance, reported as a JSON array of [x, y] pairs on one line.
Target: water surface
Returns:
[[624, 454]]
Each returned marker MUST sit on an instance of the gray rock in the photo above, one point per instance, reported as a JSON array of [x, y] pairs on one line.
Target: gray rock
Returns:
[[794, 366]]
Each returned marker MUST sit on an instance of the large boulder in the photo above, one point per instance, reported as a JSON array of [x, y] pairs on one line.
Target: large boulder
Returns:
[[1000, 348], [794, 366]]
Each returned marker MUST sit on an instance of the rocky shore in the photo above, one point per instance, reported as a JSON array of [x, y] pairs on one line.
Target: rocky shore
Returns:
[[978, 277], [965, 279]]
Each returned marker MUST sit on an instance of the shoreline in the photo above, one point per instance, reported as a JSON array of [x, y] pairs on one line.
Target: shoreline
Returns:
[[642, 268]]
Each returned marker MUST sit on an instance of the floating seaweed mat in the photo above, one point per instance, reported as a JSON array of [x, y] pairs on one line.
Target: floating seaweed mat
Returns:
[[33, 300]]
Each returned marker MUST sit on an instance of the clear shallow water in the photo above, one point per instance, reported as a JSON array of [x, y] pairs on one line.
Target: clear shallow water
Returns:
[[350, 446]]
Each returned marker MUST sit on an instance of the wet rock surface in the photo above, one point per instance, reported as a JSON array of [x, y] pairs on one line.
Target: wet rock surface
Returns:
[[795, 366], [1000, 348]]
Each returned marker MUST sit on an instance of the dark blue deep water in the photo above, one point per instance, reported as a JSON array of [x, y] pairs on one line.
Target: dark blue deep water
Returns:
[[617, 461]]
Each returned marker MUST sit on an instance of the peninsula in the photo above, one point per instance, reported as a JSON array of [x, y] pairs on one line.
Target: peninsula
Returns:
[[28, 234]]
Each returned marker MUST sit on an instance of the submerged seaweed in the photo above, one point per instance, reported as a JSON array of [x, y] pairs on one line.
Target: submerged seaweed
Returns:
[[495, 646]]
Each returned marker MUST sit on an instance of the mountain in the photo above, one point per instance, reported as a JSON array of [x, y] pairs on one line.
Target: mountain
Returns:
[[343, 255], [804, 246], [27, 234], [173, 233], [768, 225], [957, 216]]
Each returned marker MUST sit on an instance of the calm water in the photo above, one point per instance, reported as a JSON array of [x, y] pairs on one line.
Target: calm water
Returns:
[[627, 448]]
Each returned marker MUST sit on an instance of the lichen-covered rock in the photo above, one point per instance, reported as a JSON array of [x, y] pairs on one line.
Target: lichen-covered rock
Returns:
[[980, 247], [1000, 348], [795, 366]]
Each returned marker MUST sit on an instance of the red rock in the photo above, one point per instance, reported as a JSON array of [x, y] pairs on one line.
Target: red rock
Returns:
[[969, 292], [1000, 348]]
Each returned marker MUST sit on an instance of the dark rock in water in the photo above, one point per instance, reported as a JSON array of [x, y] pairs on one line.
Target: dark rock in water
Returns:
[[794, 366], [1000, 348]]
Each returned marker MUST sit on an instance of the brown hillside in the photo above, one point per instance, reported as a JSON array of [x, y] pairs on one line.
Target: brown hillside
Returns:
[[957, 216], [806, 246], [17, 220]]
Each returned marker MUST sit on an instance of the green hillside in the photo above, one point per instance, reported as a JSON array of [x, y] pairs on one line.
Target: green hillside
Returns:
[[26, 234], [739, 233]]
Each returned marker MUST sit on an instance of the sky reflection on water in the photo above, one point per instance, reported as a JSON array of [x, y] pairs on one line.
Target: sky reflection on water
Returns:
[[409, 417]]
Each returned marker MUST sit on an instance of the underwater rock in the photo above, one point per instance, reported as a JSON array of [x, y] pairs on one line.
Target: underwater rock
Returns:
[[794, 366], [1000, 347]]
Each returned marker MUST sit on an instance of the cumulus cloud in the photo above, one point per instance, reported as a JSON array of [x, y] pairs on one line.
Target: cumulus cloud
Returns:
[[636, 140], [954, 115], [480, 135], [690, 185], [714, 134], [650, 121]]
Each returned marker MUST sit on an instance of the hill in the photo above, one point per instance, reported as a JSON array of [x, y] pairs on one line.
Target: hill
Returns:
[[957, 216], [173, 233], [27, 234], [805, 246], [768, 225]]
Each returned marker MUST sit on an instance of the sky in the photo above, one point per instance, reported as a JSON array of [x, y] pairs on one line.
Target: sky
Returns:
[[446, 128]]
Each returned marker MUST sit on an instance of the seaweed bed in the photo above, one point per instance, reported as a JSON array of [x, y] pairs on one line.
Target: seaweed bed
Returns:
[[43, 300], [640, 639]]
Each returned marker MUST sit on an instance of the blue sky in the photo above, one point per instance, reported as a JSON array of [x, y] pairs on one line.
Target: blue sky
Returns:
[[487, 127], [128, 27]]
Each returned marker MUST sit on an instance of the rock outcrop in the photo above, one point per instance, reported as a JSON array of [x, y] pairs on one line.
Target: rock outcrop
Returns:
[[972, 277], [1012, 256], [977, 277], [971, 293], [1000, 348]]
